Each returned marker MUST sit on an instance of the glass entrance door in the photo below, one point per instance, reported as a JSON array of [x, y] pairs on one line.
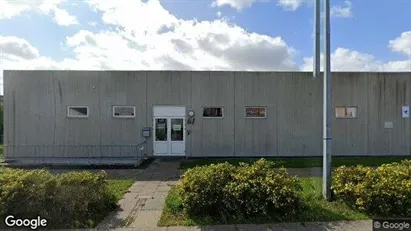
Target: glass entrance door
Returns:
[[161, 139], [177, 136], [169, 136]]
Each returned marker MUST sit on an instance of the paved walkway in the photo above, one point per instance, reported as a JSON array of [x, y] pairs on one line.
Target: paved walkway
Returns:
[[308, 226], [141, 207]]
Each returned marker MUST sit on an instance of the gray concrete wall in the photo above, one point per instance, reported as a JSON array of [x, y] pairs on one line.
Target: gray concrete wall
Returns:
[[36, 124]]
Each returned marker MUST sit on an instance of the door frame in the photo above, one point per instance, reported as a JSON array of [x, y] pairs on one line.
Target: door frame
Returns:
[[176, 112]]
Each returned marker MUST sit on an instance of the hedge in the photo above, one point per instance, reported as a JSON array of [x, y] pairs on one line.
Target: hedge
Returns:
[[384, 191], [224, 190], [68, 200]]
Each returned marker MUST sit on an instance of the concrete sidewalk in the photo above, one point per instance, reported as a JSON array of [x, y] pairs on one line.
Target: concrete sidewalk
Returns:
[[141, 207], [365, 225]]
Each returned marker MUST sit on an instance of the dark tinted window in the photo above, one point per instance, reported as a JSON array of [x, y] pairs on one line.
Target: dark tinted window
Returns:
[[213, 112], [77, 112]]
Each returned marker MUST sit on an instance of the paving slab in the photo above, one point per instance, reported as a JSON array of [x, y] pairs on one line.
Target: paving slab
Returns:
[[363, 225], [142, 229], [152, 185], [147, 193], [135, 189], [161, 195], [146, 219], [219, 228], [162, 188], [139, 184], [307, 226], [156, 204], [172, 182], [265, 227], [183, 228]]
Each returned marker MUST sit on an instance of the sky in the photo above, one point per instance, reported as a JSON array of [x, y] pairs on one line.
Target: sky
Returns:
[[241, 35]]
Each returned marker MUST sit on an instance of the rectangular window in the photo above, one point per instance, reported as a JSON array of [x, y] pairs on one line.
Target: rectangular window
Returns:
[[346, 112], [124, 111], [255, 112], [212, 112], [77, 111]]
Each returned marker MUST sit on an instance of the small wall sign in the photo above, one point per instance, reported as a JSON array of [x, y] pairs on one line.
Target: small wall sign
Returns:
[[388, 124], [405, 111]]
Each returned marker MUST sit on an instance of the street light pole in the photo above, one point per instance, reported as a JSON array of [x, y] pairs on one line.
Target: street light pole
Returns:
[[327, 100], [317, 48]]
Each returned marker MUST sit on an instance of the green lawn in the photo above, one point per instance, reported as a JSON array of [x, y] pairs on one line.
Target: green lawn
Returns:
[[119, 187], [316, 209], [297, 162]]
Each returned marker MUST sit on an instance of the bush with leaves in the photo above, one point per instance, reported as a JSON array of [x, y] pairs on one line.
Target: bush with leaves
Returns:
[[225, 190], [68, 200], [26, 193], [345, 182], [92, 200], [260, 190], [202, 189], [384, 191]]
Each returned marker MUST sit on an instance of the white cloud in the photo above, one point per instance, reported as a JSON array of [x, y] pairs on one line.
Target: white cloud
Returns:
[[290, 5], [13, 8], [343, 11], [402, 44], [63, 18], [219, 14], [237, 4], [16, 48], [343, 59], [17, 53], [172, 43], [148, 44], [191, 45], [134, 15]]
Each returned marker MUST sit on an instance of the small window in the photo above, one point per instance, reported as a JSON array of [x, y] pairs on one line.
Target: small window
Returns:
[[255, 112], [212, 112], [77, 111], [124, 111], [346, 112]]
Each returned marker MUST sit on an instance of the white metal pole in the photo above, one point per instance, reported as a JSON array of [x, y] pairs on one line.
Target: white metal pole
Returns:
[[327, 99], [317, 48], [409, 58]]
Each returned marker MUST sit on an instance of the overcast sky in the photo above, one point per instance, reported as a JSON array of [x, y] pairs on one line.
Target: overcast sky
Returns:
[[367, 35]]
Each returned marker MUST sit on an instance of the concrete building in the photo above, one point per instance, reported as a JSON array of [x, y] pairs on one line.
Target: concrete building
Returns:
[[102, 116]]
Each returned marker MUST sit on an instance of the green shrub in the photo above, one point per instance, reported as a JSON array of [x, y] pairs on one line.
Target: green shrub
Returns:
[[25, 193], [345, 182], [384, 191], [91, 201], [259, 189], [229, 191], [69, 200], [202, 189]]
